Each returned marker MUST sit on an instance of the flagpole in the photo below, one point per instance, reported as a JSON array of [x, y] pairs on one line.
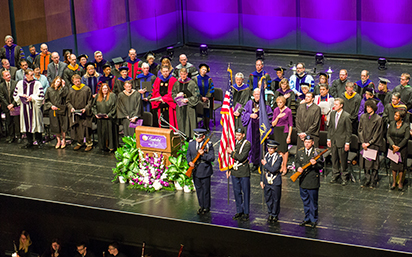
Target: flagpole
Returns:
[[228, 160]]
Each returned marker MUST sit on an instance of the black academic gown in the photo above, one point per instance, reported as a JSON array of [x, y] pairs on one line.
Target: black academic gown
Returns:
[[107, 129]]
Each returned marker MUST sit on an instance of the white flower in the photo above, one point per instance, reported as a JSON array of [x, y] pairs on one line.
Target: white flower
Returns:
[[164, 176], [157, 185], [146, 180]]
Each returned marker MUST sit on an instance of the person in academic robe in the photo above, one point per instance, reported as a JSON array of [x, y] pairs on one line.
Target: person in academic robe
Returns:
[[191, 70], [255, 76], [153, 66], [203, 168], [129, 108], [364, 83], [250, 120], [41, 78], [280, 74], [352, 104], [405, 90], [99, 62], [269, 95], [304, 88], [83, 58], [9, 105], [398, 136], [308, 120], [241, 95], [43, 59], [55, 106], [67, 55], [271, 180], [118, 62], [309, 180], [282, 118], [186, 114], [206, 90], [240, 174], [104, 109], [134, 64], [370, 95], [6, 67], [79, 103], [165, 107], [339, 85], [119, 83], [300, 77], [72, 69], [107, 77], [144, 84], [55, 68], [29, 95], [338, 140], [383, 93], [33, 53], [11, 52], [91, 78], [370, 137], [165, 61], [20, 73], [391, 108], [326, 103], [323, 80], [285, 91]]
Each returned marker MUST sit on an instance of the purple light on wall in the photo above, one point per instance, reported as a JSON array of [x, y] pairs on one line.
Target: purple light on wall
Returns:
[[281, 27], [213, 6], [331, 32], [213, 25], [387, 35]]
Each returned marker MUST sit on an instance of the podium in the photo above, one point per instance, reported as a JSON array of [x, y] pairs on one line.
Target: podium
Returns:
[[157, 140]]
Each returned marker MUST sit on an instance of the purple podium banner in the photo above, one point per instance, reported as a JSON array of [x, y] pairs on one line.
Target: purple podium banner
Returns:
[[153, 141]]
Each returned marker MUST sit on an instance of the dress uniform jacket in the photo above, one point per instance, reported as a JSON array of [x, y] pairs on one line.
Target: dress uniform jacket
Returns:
[[272, 167], [204, 167], [240, 154], [310, 178]]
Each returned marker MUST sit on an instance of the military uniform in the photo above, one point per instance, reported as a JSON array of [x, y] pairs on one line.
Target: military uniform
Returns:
[[272, 180], [241, 177], [309, 183], [203, 170]]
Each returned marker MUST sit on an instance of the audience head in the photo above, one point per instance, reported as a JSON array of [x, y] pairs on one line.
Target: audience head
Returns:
[[239, 133], [81, 248], [5, 63], [90, 68], [405, 77], [32, 49], [76, 79], [323, 79], [57, 83], [29, 73], [259, 65], [349, 87], [364, 76], [55, 57], [103, 91], [113, 248], [72, 60], [396, 98], [98, 56], [24, 241], [132, 54], [400, 115], [145, 68], [183, 59], [305, 88], [55, 245], [256, 94], [343, 75], [338, 104], [371, 107], [309, 97], [8, 40], [44, 49], [107, 70], [128, 86], [300, 68], [281, 101], [36, 70], [284, 84], [23, 64], [6, 75], [239, 78], [324, 89], [183, 73]]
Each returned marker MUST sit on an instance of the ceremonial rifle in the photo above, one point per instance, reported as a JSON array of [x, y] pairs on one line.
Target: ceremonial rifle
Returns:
[[190, 170], [295, 176], [181, 250]]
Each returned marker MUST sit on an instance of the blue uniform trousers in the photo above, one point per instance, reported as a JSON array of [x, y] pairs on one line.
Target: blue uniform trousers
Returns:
[[310, 203], [242, 199], [272, 197], [203, 191]]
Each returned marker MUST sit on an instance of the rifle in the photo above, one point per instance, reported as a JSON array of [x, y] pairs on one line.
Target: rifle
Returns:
[[295, 176], [190, 170], [181, 250]]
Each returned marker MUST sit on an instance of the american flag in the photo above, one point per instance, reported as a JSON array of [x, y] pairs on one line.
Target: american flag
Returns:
[[228, 128]]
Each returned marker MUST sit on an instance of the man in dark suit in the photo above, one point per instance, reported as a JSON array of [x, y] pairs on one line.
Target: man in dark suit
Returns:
[[203, 168], [339, 134], [7, 67], [309, 180], [308, 120], [55, 68], [241, 175], [8, 104], [271, 180]]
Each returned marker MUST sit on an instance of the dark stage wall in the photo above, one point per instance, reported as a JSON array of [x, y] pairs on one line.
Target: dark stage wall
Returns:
[[353, 27]]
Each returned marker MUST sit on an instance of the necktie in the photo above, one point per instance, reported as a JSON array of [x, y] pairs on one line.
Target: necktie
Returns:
[[57, 69], [8, 90], [336, 120]]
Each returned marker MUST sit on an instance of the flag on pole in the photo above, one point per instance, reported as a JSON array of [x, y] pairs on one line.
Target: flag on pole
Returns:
[[265, 127], [228, 128]]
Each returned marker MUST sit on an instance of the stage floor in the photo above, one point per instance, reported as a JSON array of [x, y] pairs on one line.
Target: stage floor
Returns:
[[377, 218]]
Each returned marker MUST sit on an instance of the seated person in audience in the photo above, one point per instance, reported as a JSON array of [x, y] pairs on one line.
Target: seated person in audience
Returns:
[[398, 136], [25, 245], [82, 250], [20, 73], [41, 78], [99, 61], [326, 103], [256, 76], [339, 85], [370, 95], [300, 77], [83, 60], [91, 78], [383, 93], [113, 250], [43, 59], [191, 70], [120, 81], [323, 80], [352, 104], [129, 108], [285, 91], [11, 52], [280, 73], [55, 249], [405, 90], [364, 83], [79, 103]]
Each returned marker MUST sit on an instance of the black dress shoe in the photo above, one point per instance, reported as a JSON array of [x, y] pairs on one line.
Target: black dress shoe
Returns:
[[303, 223], [237, 216], [27, 146], [275, 219], [334, 180], [19, 141], [200, 211], [393, 187], [345, 182], [366, 184], [205, 211], [270, 218], [245, 217], [313, 224]]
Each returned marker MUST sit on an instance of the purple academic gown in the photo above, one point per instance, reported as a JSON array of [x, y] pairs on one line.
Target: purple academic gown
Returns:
[[253, 134]]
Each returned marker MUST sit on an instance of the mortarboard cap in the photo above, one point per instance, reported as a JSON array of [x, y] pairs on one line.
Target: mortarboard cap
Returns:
[[124, 68], [118, 60], [81, 56], [149, 55], [165, 57], [304, 85], [271, 143], [323, 74], [90, 64], [369, 90], [199, 132], [204, 65], [384, 80], [106, 65], [280, 69]]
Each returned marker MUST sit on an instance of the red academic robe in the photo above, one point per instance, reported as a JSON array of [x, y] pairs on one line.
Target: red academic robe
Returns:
[[166, 98]]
